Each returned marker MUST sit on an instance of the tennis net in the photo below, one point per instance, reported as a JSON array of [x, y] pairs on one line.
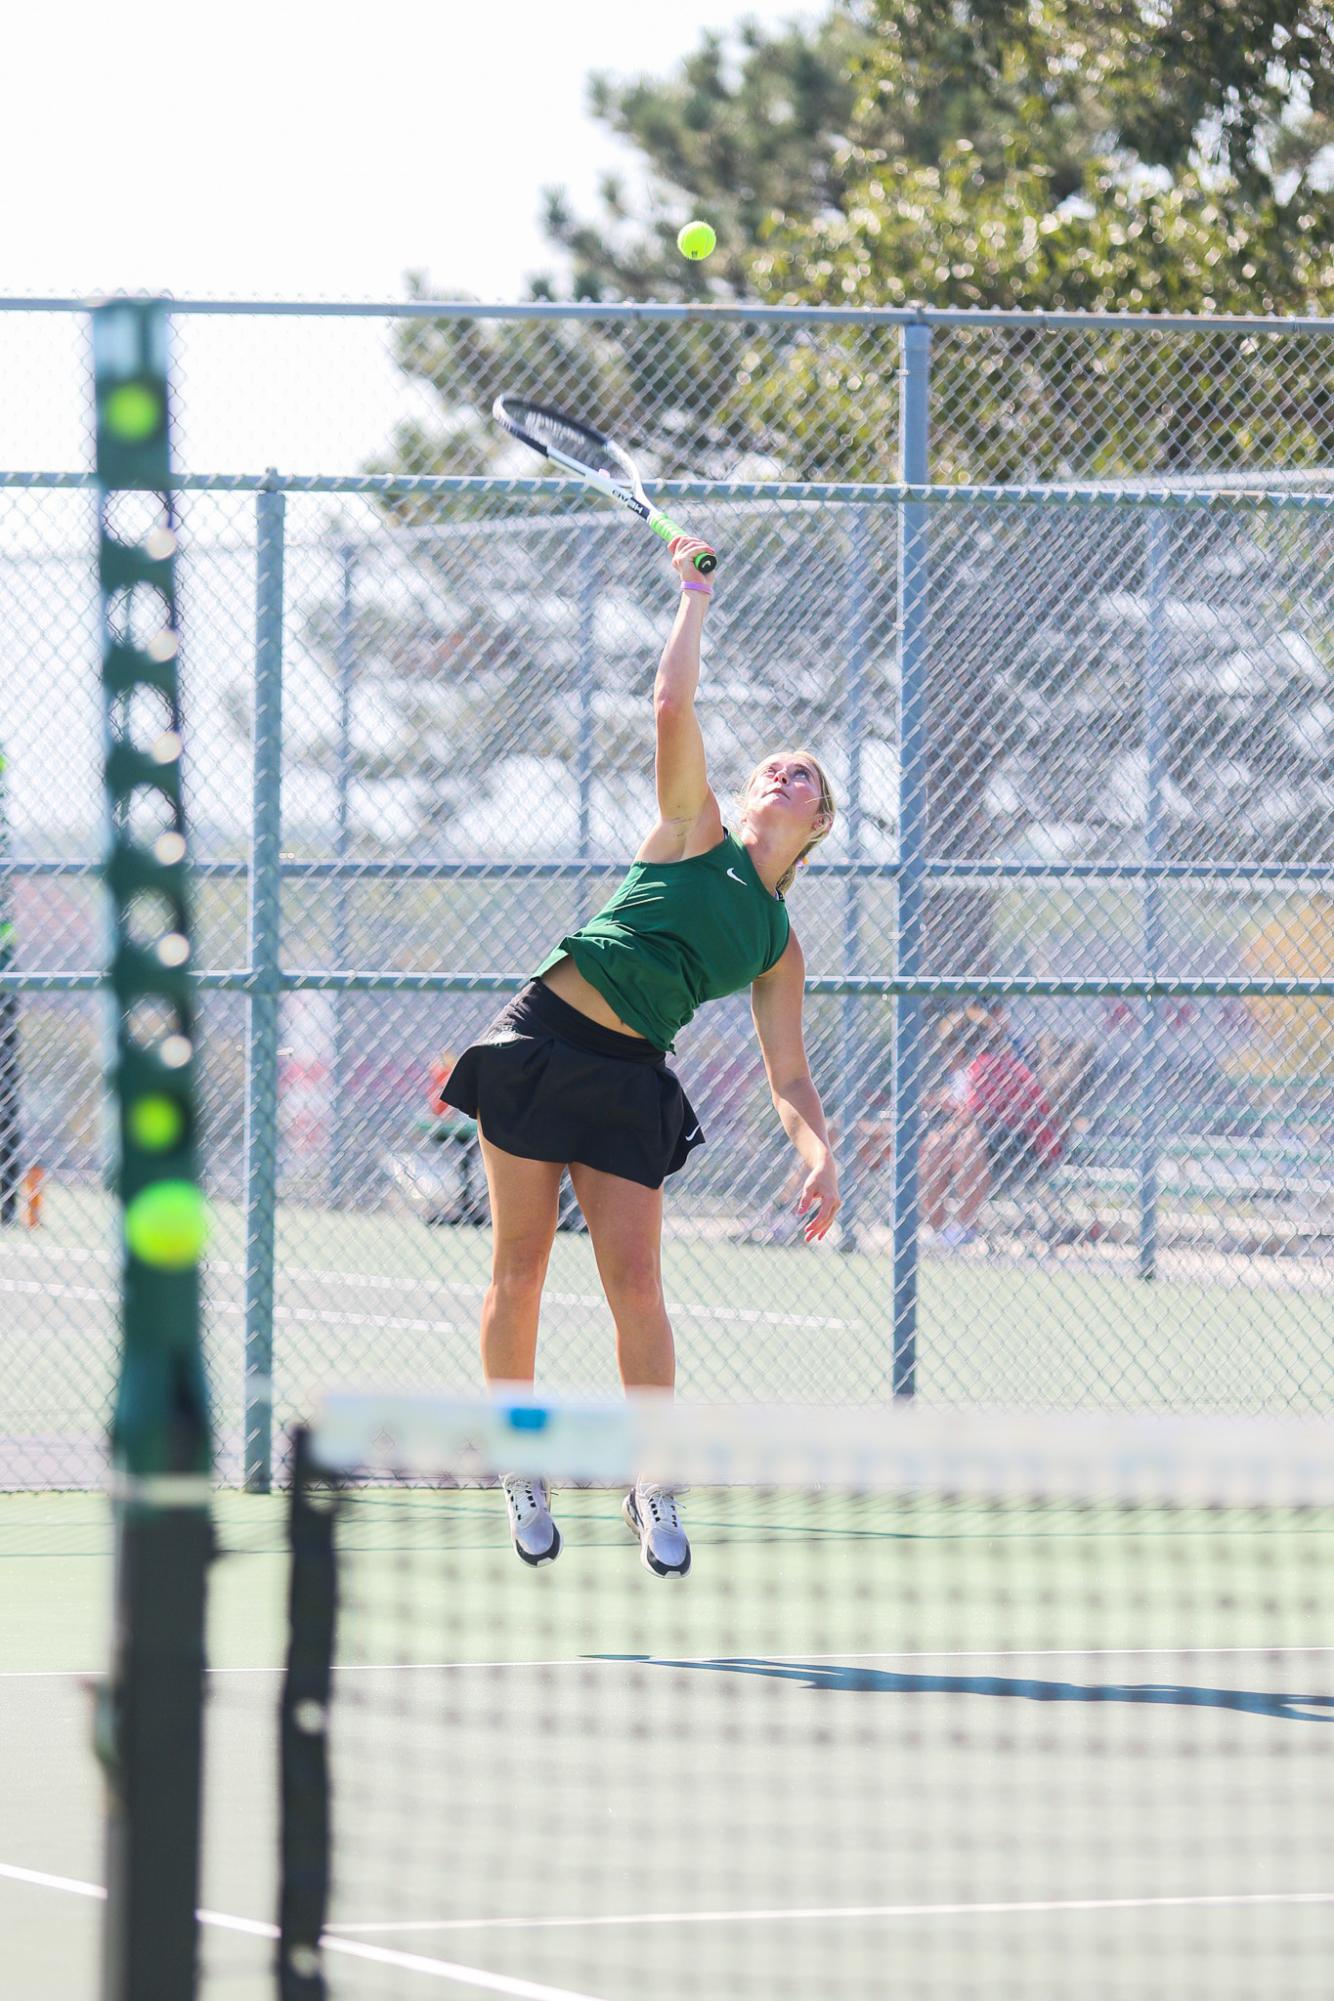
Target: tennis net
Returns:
[[950, 1704]]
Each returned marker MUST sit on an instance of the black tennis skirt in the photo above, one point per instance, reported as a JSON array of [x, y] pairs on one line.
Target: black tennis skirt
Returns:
[[547, 1083]]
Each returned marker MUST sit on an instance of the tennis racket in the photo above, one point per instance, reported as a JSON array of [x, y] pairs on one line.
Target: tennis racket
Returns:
[[592, 457]]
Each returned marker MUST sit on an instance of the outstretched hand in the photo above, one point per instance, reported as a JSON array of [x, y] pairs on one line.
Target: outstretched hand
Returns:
[[820, 1192]]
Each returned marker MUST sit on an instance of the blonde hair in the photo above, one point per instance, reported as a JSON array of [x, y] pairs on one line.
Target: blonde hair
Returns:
[[828, 806]]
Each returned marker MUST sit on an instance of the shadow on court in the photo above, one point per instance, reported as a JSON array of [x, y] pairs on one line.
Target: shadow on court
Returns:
[[877, 1681]]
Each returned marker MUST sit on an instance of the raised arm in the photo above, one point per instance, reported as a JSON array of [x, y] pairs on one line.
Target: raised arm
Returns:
[[776, 1000], [686, 805]]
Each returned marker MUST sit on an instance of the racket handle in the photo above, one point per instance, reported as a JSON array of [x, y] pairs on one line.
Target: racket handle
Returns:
[[706, 562]]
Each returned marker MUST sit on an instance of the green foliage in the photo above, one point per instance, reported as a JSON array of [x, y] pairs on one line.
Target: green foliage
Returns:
[[903, 150], [733, 135], [1169, 156], [1036, 154]]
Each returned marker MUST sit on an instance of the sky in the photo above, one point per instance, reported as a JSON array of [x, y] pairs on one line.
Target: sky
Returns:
[[289, 149], [279, 149]]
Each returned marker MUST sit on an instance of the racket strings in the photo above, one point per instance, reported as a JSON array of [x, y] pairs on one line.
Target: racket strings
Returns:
[[577, 441]]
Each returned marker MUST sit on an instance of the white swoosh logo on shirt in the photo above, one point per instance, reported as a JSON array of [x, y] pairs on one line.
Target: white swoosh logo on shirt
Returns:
[[737, 878], [690, 1136]]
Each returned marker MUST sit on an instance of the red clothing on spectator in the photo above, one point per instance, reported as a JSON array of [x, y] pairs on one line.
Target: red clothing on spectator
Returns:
[[1005, 1097]]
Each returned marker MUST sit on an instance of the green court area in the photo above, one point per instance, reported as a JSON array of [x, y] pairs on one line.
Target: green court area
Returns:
[[377, 1298], [870, 1747]]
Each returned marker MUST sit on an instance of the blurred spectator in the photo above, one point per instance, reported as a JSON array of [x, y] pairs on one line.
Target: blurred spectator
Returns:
[[448, 1125], [991, 1124]]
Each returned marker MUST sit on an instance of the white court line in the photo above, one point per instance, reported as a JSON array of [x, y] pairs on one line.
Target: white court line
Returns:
[[444, 1969], [819, 1912], [407, 1962], [531, 1990], [42, 1881], [754, 1654], [225, 1309], [381, 1282]]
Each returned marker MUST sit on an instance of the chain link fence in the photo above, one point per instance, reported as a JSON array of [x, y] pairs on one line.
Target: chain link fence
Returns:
[[1070, 948]]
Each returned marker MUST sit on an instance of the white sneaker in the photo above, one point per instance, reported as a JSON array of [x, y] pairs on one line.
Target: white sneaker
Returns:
[[536, 1537], [650, 1513]]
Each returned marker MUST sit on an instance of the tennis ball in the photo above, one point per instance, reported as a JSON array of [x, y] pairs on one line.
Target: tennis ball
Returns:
[[696, 240], [132, 412], [166, 1225], [155, 1122]]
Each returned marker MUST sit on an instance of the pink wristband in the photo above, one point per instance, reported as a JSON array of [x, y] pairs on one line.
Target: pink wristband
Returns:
[[705, 590]]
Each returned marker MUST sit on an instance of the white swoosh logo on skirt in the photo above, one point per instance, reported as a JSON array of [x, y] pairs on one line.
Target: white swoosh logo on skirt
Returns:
[[693, 1135]]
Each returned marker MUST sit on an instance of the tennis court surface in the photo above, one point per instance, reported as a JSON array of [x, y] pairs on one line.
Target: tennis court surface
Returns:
[[946, 1707], [950, 1705], [754, 1324]]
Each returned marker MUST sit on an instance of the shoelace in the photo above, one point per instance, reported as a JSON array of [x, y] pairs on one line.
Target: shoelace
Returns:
[[662, 1506], [532, 1491]]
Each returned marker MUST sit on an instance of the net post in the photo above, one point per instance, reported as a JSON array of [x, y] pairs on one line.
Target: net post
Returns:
[[150, 1709], [261, 1108], [305, 1829], [909, 1011]]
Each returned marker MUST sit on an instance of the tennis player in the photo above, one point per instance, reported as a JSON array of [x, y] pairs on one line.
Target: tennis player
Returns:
[[573, 1072]]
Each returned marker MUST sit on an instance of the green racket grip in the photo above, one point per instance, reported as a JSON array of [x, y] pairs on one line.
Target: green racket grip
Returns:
[[706, 562]]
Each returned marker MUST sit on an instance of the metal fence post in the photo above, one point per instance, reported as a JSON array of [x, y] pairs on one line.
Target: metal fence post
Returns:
[[1157, 529], [851, 1067], [11, 1133], [346, 667], [585, 745], [909, 1012], [261, 1107]]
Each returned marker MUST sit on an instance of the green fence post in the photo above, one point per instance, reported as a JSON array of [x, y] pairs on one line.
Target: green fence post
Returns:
[[150, 1710]]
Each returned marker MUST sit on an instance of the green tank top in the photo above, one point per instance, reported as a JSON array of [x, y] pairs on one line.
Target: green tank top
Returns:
[[676, 934]]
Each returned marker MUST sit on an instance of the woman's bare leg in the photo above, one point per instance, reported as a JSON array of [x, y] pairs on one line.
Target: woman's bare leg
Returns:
[[625, 1226], [523, 1222]]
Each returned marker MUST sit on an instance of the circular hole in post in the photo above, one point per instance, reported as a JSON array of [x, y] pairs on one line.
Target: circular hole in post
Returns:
[[152, 1021], [149, 815], [136, 612], [132, 517], [140, 715], [149, 917]]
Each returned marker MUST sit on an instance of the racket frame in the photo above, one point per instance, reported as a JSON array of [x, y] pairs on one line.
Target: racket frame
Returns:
[[628, 493]]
